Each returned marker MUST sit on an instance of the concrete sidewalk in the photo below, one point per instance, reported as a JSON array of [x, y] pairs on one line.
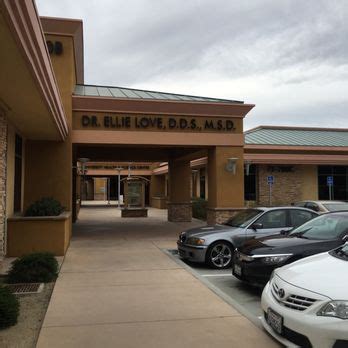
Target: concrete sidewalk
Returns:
[[118, 289]]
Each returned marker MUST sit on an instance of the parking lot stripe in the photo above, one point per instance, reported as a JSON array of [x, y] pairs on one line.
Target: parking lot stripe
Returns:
[[217, 275]]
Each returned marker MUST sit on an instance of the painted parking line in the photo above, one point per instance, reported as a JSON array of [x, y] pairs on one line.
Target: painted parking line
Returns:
[[217, 275]]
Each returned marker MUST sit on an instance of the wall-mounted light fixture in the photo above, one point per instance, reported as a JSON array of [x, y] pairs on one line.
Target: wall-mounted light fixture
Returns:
[[231, 165], [83, 162]]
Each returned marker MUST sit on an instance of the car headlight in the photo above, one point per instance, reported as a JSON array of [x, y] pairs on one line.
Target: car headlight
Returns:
[[195, 241], [274, 259], [338, 309]]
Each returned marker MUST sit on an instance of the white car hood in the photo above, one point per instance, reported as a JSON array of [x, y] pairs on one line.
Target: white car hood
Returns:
[[321, 273]]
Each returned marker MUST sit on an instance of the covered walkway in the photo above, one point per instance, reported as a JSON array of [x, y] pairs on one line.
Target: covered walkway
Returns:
[[117, 288]]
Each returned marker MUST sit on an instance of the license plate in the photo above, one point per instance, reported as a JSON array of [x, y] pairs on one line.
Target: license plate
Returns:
[[275, 321], [237, 270]]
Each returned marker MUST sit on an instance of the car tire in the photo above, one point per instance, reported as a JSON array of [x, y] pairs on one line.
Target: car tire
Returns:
[[220, 255]]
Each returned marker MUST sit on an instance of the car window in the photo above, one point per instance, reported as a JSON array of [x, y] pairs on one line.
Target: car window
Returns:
[[243, 218], [299, 217], [300, 204], [312, 206], [324, 227], [273, 219], [336, 206]]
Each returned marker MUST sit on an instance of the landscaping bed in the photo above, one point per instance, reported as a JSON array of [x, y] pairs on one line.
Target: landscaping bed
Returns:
[[22, 314], [31, 315]]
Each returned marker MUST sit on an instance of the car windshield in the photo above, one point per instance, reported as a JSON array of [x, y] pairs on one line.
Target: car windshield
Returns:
[[325, 227], [336, 206], [341, 252], [243, 218]]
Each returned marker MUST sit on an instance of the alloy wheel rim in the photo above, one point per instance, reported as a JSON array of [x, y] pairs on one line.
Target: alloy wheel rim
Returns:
[[221, 255]]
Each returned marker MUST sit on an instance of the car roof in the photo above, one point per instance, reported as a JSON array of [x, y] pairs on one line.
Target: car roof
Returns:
[[323, 202], [282, 207], [339, 212]]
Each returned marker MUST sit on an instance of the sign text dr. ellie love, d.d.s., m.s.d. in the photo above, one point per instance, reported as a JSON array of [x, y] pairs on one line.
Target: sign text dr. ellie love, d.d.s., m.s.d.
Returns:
[[164, 123]]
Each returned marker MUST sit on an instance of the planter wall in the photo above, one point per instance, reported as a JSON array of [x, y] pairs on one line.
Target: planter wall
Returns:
[[38, 234]]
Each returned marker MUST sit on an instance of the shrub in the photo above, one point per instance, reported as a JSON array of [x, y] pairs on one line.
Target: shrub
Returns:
[[199, 208], [46, 206], [33, 268], [9, 308]]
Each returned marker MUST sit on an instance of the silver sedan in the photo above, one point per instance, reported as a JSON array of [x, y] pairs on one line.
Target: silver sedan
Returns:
[[215, 245]]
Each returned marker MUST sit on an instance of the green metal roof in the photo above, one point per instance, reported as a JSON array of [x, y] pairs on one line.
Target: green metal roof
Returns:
[[121, 92], [296, 136]]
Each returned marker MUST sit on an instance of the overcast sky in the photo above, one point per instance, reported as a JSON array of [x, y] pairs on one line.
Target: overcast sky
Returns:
[[289, 57]]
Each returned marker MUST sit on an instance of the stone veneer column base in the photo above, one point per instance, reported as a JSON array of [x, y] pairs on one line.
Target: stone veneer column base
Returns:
[[220, 215], [179, 212]]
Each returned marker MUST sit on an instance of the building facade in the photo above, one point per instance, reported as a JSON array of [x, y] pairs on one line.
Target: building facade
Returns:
[[65, 139]]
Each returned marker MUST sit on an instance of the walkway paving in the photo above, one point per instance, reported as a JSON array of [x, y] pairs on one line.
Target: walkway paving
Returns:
[[118, 289]]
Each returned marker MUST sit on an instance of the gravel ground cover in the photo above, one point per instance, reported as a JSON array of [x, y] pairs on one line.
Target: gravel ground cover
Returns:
[[32, 312]]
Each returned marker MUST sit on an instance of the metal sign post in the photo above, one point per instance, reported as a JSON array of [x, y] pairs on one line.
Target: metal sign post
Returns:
[[119, 186], [270, 182], [330, 182]]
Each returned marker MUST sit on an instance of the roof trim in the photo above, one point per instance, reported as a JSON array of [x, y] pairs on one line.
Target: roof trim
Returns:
[[296, 128], [315, 159], [295, 147], [208, 99], [156, 106], [24, 23]]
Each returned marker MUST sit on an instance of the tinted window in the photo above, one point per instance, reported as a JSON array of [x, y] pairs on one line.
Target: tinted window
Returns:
[[243, 218], [323, 227], [273, 219], [340, 182], [18, 174], [250, 183], [299, 217]]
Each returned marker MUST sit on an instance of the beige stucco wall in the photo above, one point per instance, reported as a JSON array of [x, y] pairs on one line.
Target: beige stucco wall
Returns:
[[48, 163]]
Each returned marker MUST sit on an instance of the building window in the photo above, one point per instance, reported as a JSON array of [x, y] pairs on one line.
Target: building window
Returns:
[[250, 183], [18, 174], [202, 186], [340, 182]]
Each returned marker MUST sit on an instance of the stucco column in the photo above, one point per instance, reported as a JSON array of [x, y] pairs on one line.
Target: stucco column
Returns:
[[226, 189], [157, 192], [179, 204]]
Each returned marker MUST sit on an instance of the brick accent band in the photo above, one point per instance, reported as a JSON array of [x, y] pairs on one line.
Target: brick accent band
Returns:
[[179, 212]]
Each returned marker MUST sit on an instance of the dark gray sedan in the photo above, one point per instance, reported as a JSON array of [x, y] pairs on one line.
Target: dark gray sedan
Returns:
[[215, 245]]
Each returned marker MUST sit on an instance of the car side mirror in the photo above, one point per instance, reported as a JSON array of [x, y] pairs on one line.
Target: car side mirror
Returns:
[[284, 232], [256, 226]]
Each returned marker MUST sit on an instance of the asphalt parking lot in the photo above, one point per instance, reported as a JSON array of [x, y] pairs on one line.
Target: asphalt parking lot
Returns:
[[245, 298]]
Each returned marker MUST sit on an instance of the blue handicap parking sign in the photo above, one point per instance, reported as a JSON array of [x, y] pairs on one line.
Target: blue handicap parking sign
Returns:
[[329, 180], [270, 179]]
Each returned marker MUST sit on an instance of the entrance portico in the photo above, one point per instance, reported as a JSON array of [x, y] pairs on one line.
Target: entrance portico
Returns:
[[118, 124]]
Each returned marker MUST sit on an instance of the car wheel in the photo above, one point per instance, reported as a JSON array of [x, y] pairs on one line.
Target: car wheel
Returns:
[[220, 255]]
